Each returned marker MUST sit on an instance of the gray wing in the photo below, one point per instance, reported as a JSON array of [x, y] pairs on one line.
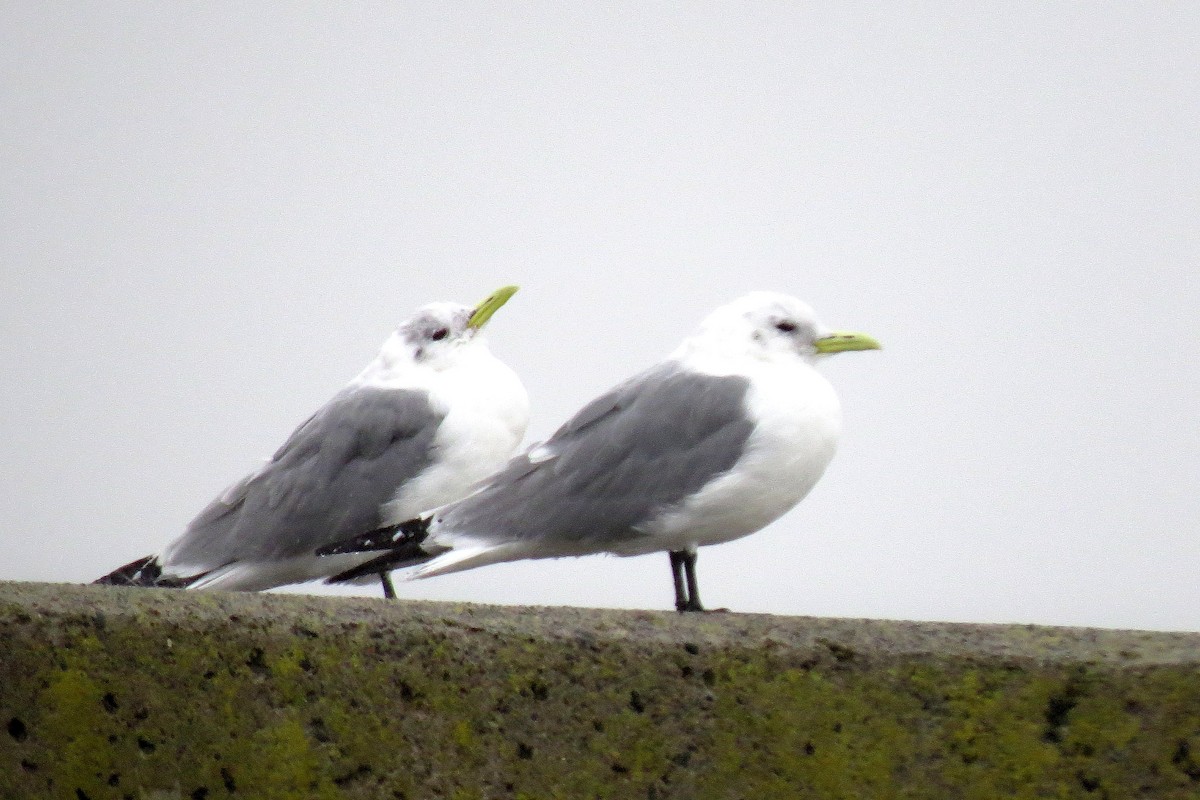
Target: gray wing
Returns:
[[623, 459], [327, 482]]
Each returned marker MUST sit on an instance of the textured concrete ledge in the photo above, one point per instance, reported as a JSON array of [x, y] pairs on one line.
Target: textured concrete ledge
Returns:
[[126, 693]]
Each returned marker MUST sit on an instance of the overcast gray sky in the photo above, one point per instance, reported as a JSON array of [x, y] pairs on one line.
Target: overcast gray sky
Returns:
[[213, 214]]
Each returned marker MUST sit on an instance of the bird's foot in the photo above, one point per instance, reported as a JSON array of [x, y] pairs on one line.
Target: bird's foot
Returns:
[[690, 606], [696, 608]]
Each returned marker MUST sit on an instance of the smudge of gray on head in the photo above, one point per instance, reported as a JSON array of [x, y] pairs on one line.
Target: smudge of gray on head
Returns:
[[437, 324]]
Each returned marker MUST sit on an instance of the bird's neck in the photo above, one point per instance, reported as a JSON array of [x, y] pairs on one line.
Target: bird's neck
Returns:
[[713, 356], [392, 369], [400, 368]]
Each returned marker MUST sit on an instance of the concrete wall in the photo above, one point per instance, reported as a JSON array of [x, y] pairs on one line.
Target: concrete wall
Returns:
[[128, 693]]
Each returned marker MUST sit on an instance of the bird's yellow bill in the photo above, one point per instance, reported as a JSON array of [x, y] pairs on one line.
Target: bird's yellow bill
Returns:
[[484, 311], [841, 341]]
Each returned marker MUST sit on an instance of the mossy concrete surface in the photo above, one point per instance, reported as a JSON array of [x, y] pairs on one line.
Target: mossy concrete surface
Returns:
[[133, 693]]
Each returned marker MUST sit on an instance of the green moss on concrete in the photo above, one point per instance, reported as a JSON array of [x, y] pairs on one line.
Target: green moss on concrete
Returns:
[[114, 693]]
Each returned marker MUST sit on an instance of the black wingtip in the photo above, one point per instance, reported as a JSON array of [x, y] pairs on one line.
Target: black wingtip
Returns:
[[401, 546], [147, 572], [376, 566], [391, 537], [143, 572]]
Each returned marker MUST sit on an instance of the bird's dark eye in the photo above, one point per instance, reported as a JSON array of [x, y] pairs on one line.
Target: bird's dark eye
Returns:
[[785, 326], [439, 334]]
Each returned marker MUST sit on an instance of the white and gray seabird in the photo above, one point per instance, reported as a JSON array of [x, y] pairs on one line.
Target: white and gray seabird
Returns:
[[712, 444], [432, 415]]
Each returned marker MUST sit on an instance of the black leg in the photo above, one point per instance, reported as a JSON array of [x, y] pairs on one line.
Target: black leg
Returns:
[[683, 566], [389, 591], [689, 566], [677, 557]]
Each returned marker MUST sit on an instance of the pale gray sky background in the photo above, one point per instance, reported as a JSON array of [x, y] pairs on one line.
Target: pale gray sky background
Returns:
[[213, 214]]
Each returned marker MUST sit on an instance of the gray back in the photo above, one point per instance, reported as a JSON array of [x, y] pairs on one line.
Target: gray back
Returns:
[[622, 460], [327, 482]]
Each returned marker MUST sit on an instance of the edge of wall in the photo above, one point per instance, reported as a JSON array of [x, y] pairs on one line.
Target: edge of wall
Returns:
[[136, 693]]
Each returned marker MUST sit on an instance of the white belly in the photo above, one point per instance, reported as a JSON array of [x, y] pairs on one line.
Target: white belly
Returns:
[[798, 422], [485, 421]]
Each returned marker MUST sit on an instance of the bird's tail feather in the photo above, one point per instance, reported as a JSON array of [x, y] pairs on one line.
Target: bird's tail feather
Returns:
[[400, 546], [146, 571]]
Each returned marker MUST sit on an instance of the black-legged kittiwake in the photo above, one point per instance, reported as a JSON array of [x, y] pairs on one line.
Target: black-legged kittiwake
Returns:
[[433, 414], [712, 444]]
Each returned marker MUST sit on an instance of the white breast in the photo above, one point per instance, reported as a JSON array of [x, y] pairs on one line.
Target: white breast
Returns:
[[486, 410], [798, 420]]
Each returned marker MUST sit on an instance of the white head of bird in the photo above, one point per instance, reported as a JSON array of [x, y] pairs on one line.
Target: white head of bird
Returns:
[[438, 338], [768, 327]]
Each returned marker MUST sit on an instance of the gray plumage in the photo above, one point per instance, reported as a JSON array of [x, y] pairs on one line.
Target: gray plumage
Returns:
[[724, 437], [622, 461], [619, 462], [329, 479], [433, 413]]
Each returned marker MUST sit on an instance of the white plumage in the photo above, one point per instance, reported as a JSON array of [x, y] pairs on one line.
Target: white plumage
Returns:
[[723, 437], [431, 415]]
